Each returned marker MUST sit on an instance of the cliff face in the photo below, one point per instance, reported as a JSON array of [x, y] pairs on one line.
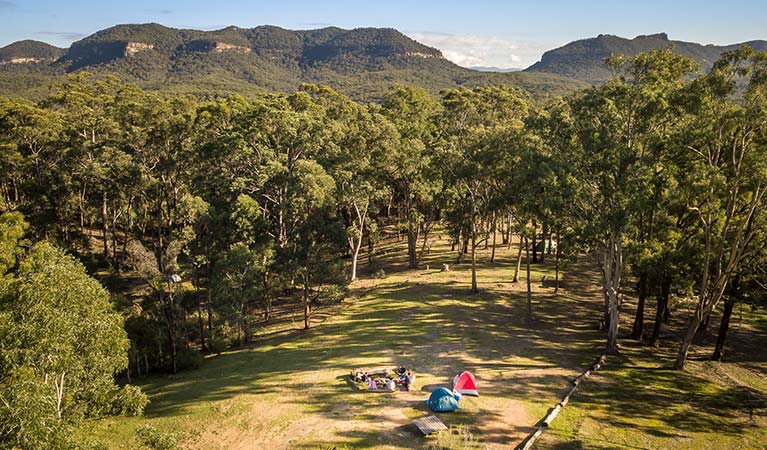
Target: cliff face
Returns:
[[363, 63]]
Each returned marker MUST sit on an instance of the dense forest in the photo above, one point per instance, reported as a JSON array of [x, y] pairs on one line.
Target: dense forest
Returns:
[[218, 209]]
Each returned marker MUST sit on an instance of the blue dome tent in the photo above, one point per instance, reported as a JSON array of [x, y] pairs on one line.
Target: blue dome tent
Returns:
[[443, 400]]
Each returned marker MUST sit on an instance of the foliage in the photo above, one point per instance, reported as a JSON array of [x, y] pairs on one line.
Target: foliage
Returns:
[[129, 401], [61, 345], [156, 439], [456, 438]]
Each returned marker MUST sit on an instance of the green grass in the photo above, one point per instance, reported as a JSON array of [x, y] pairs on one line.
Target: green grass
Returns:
[[289, 391]]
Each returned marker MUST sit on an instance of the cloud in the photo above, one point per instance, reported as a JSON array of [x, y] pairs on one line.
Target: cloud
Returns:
[[67, 35], [6, 4], [469, 50]]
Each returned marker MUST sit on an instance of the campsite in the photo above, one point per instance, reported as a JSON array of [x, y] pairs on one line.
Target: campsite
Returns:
[[383, 225], [291, 390]]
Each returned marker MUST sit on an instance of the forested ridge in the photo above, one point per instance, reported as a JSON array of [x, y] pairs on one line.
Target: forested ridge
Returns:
[[201, 215], [362, 63]]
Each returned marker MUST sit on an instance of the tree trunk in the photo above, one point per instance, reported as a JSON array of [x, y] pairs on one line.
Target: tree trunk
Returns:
[[104, 225], [611, 280], [638, 328], [307, 306], [529, 287], [495, 226], [201, 324], [535, 246], [355, 246], [412, 244], [370, 249], [519, 261], [689, 335], [729, 305], [474, 288], [721, 339], [556, 267], [544, 234], [660, 312]]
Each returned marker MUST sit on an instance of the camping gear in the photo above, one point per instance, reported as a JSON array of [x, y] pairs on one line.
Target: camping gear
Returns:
[[429, 425], [442, 400], [465, 383]]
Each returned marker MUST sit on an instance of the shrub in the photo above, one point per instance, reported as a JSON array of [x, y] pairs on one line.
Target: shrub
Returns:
[[188, 359], [216, 344], [129, 401], [456, 438], [380, 273], [156, 439]]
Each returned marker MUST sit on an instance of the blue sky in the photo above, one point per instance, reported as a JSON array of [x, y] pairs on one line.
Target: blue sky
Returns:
[[490, 33]]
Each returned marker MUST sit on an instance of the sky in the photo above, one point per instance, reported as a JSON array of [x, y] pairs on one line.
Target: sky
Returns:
[[503, 34]]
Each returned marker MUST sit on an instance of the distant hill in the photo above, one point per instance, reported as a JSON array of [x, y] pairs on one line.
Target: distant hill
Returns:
[[584, 60], [363, 63], [29, 52]]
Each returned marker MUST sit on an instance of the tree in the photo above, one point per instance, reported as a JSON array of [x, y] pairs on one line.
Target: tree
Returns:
[[615, 125], [410, 169], [317, 237], [62, 343], [360, 138], [726, 175], [472, 121], [13, 227]]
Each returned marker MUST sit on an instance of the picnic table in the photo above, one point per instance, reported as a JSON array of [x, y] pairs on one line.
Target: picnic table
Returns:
[[429, 425]]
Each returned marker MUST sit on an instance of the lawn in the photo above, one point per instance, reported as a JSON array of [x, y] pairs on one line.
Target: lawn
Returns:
[[288, 389]]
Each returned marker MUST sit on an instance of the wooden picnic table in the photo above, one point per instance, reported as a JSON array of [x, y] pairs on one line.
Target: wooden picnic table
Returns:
[[429, 425]]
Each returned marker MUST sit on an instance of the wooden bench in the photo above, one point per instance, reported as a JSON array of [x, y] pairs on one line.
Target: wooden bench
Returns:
[[429, 425]]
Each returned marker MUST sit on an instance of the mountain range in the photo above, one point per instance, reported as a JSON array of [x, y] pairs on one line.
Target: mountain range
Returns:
[[584, 59], [362, 63]]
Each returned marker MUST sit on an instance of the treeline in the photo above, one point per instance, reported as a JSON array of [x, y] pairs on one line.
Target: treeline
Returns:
[[222, 207]]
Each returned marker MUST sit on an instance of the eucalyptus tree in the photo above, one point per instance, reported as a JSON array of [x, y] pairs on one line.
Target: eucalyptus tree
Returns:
[[62, 344], [474, 122], [317, 236], [359, 140], [32, 159], [410, 169], [725, 174], [615, 125]]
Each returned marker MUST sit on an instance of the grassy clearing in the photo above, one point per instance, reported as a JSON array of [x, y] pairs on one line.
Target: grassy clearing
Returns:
[[288, 389]]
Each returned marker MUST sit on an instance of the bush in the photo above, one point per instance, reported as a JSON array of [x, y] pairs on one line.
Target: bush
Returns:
[[156, 439], [188, 359], [216, 344], [456, 438], [129, 401], [380, 273]]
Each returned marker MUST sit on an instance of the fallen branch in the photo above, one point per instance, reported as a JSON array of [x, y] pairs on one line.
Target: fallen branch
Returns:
[[528, 443]]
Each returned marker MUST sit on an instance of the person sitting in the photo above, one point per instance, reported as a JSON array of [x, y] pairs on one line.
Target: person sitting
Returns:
[[391, 385], [372, 384], [364, 376], [409, 380]]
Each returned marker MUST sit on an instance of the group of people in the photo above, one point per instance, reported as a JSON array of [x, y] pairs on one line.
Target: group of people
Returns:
[[403, 377]]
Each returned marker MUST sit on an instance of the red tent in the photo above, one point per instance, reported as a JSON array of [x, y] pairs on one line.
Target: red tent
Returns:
[[465, 384]]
